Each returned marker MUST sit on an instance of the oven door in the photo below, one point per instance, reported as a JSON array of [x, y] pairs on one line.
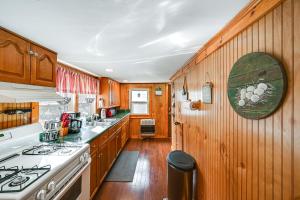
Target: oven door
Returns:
[[78, 187]]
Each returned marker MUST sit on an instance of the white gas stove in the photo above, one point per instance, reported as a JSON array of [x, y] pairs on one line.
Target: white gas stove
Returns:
[[30, 170]]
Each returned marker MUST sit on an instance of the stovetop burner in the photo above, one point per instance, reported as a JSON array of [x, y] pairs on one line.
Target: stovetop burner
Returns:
[[19, 180], [46, 149], [16, 179]]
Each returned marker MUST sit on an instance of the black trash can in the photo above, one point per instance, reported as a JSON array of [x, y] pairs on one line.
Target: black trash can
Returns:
[[181, 176]]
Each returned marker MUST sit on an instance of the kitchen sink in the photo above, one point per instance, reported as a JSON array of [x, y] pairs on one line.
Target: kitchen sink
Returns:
[[101, 123], [108, 120]]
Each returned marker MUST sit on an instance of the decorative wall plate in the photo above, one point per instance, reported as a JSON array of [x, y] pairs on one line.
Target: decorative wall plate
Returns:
[[256, 85]]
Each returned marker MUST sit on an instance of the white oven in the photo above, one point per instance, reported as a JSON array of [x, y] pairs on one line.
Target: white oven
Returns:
[[71, 183], [78, 187]]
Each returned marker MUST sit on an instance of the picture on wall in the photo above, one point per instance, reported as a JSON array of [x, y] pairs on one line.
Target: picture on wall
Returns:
[[256, 85]]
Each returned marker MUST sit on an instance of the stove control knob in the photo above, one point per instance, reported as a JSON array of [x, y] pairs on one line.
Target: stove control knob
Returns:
[[81, 159], [41, 195], [86, 155], [51, 186]]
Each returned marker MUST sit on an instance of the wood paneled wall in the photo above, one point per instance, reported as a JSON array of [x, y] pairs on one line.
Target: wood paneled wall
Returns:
[[9, 121], [239, 158], [158, 109]]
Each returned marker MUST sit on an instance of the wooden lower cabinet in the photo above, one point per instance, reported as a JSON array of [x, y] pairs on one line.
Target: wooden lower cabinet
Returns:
[[125, 133], [112, 149], [94, 171], [103, 162], [104, 151], [119, 140]]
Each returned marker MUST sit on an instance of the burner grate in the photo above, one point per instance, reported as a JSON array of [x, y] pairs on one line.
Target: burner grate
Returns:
[[41, 150], [46, 149], [16, 179]]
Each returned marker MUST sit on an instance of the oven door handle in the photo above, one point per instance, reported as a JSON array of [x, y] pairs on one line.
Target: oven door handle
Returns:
[[71, 178]]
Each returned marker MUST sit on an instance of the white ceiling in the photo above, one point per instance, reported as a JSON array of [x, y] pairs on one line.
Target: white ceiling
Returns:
[[140, 40]]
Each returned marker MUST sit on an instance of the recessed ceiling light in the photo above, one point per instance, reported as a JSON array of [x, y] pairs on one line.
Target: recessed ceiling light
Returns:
[[164, 3], [125, 81], [109, 70]]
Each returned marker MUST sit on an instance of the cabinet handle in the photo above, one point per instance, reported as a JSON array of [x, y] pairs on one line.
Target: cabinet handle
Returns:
[[177, 123], [32, 53]]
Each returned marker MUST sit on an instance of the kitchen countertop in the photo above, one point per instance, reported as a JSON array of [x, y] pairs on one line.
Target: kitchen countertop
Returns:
[[87, 134]]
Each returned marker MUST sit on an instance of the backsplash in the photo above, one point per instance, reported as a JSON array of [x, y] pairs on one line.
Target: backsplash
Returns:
[[14, 120]]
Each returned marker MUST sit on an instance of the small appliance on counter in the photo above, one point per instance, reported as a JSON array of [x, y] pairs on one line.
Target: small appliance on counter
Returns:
[[75, 125], [52, 125], [103, 113], [108, 113], [74, 115], [49, 136], [51, 131], [111, 112]]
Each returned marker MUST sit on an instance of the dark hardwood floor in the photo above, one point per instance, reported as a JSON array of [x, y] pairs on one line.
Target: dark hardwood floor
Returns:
[[150, 179]]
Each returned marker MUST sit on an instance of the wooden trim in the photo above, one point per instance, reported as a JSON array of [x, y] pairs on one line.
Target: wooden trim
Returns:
[[108, 78], [32, 42], [76, 103], [35, 112], [144, 83], [247, 16], [140, 116]]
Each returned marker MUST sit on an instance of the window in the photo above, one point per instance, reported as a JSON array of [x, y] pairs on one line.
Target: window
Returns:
[[139, 101], [53, 110], [86, 104]]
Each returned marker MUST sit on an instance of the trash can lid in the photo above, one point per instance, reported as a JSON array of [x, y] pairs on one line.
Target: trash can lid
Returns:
[[181, 160]]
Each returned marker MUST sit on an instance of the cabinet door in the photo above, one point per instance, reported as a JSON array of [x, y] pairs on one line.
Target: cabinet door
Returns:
[[94, 172], [43, 67], [115, 92], [118, 93], [112, 149], [110, 93], [103, 162], [119, 140], [123, 135], [127, 130], [14, 58], [104, 91]]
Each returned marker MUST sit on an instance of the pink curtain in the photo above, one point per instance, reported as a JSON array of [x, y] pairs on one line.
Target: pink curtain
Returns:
[[68, 81]]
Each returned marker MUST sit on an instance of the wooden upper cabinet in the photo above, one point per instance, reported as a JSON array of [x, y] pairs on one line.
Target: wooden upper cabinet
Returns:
[[110, 92], [43, 67], [115, 93], [14, 58], [23, 61]]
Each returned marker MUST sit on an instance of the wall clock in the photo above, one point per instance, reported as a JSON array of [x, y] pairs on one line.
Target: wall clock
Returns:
[[257, 85]]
